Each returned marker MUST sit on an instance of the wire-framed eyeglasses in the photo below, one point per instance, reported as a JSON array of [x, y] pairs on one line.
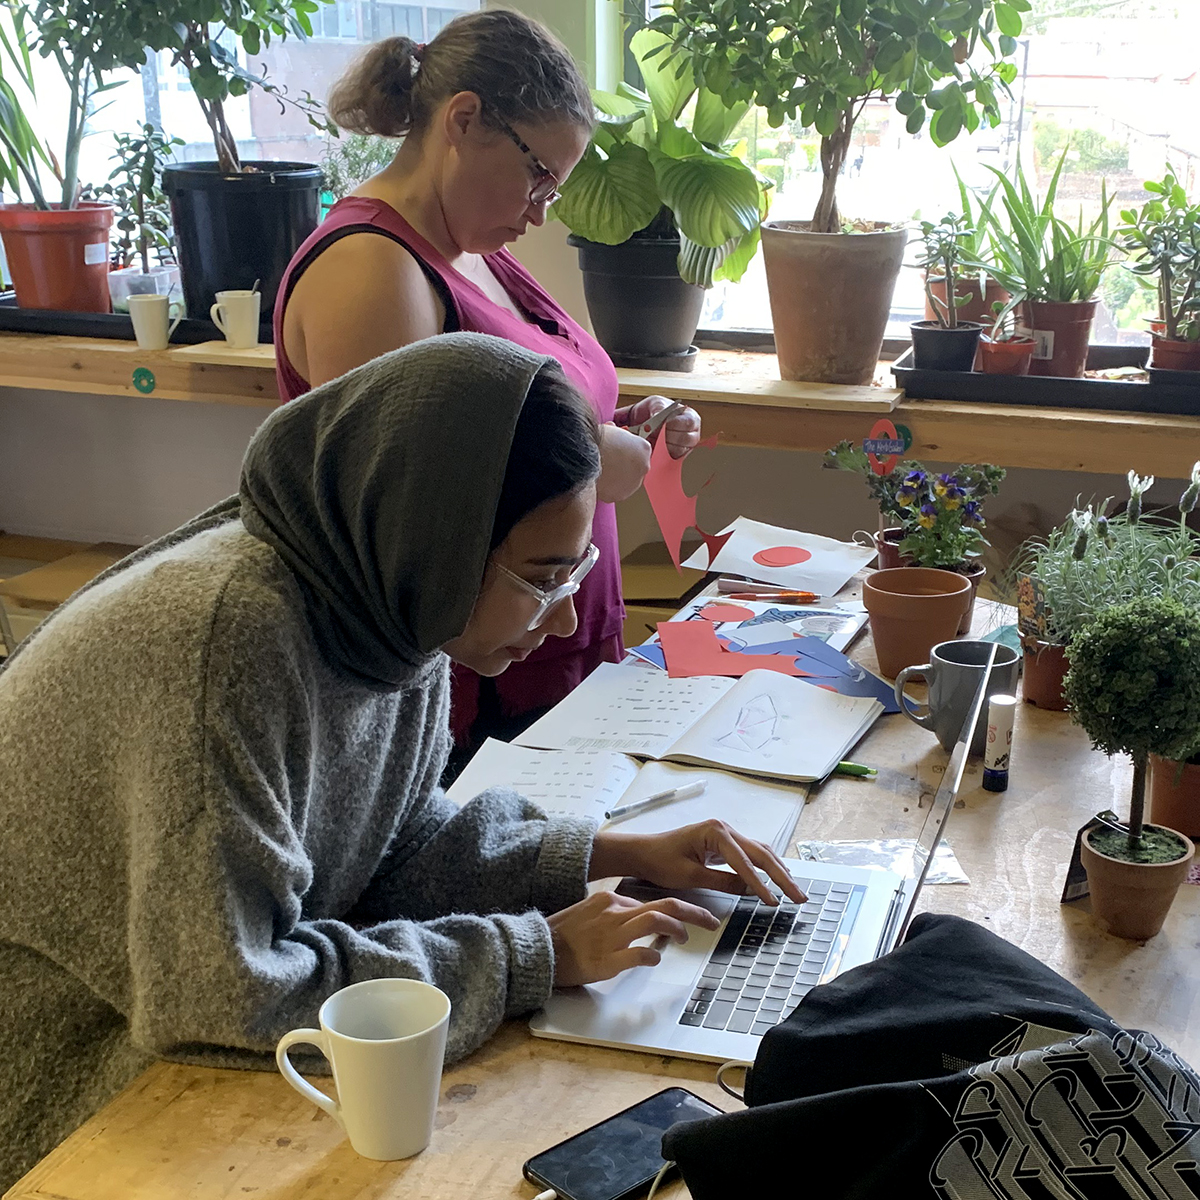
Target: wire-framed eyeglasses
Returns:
[[548, 597], [545, 188]]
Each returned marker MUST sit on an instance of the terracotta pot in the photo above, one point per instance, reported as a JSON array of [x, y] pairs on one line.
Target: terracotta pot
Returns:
[[975, 309], [974, 576], [1005, 358], [887, 544], [58, 258], [911, 610], [1166, 355], [831, 294], [1045, 667], [1065, 329], [1174, 795], [1131, 900]]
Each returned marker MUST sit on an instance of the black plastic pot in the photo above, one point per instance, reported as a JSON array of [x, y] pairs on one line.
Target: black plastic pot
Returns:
[[643, 314], [233, 229], [939, 349]]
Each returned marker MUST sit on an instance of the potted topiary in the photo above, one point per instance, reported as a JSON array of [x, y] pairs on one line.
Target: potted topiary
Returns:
[[1055, 269], [235, 222], [945, 343], [831, 281], [57, 250], [1163, 237], [1090, 563], [939, 515], [1005, 349], [143, 217], [1134, 687], [659, 212]]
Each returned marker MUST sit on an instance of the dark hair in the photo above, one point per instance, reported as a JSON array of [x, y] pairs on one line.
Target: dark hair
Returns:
[[514, 64], [555, 450]]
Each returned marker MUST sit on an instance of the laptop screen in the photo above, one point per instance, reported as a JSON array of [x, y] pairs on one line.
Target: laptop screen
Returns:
[[943, 802]]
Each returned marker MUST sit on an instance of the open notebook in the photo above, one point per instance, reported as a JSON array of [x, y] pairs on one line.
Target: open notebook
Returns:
[[762, 724], [589, 783]]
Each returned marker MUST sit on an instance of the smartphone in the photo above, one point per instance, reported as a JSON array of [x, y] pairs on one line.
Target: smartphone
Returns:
[[618, 1158]]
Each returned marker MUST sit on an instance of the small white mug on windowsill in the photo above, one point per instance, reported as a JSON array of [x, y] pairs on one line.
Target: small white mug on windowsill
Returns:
[[151, 317], [235, 314]]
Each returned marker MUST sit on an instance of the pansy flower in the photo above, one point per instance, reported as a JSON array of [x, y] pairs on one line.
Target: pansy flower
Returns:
[[928, 516]]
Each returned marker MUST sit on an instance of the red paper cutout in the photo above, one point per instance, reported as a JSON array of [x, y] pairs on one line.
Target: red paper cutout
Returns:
[[726, 612], [674, 509], [883, 428], [782, 556], [691, 648]]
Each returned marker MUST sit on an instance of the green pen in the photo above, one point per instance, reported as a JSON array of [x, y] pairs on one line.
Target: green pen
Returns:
[[853, 768]]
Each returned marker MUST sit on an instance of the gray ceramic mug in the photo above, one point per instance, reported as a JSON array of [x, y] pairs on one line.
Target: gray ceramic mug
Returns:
[[953, 673]]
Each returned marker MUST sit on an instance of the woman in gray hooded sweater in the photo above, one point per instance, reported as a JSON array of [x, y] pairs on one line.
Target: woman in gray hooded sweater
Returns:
[[220, 759]]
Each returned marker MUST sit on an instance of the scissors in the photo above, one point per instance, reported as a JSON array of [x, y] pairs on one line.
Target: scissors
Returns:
[[647, 429]]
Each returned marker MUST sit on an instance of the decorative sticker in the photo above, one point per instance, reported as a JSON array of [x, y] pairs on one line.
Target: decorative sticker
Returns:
[[144, 381], [884, 446], [782, 556]]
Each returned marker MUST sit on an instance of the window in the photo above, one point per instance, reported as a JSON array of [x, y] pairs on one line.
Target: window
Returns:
[[1117, 87]]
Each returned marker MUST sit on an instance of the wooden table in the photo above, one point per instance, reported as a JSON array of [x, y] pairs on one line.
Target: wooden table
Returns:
[[737, 394], [189, 1133]]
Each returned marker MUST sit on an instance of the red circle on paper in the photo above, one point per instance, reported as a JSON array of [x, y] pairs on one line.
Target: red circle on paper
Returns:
[[726, 612], [782, 556]]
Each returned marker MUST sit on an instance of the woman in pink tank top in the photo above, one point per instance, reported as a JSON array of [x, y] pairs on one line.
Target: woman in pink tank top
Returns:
[[496, 116]]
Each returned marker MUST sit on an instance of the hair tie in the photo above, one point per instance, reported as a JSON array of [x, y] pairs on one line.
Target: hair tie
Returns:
[[419, 51]]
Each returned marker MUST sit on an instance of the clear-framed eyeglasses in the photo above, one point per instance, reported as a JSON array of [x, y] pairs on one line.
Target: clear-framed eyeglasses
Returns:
[[545, 189], [548, 597]]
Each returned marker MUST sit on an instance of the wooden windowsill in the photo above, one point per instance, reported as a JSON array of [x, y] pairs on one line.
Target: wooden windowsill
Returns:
[[737, 393]]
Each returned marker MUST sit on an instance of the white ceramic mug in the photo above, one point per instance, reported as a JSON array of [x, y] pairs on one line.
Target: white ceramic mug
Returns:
[[151, 317], [385, 1039], [235, 314]]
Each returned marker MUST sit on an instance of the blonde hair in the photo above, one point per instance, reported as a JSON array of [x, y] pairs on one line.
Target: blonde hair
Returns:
[[514, 64]]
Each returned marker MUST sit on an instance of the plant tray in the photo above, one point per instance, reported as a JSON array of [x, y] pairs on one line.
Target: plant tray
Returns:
[[188, 332], [1163, 395]]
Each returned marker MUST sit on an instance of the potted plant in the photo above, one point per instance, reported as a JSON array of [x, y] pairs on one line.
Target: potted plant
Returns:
[[831, 281], [235, 222], [1005, 349], [659, 211], [1053, 268], [57, 250], [977, 290], [945, 343], [143, 217], [1134, 687], [1090, 563], [1163, 237], [939, 516]]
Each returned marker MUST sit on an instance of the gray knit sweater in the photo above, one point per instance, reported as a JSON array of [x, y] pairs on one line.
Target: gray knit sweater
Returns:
[[207, 827]]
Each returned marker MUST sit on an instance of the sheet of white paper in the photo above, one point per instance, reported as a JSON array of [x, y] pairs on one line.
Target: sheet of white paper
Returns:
[[770, 724], [831, 563], [584, 783], [621, 708], [764, 811]]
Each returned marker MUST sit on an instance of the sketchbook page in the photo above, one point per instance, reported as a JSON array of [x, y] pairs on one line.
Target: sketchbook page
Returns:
[[805, 561], [627, 709], [761, 810], [583, 783], [769, 724]]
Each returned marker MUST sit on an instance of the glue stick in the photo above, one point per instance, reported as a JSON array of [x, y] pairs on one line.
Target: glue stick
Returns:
[[999, 742]]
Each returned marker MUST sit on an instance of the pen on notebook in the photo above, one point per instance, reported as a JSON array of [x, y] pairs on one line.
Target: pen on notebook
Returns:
[[781, 597], [639, 806], [853, 768]]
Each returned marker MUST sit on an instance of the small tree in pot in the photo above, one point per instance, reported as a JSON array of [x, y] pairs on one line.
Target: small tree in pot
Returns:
[[822, 61], [945, 344], [1134, 687]]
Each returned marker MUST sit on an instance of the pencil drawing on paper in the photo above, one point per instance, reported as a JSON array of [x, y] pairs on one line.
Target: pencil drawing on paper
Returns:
[[756, 724]]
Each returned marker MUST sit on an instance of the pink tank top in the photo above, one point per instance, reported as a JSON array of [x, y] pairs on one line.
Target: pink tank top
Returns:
[[547, 675]]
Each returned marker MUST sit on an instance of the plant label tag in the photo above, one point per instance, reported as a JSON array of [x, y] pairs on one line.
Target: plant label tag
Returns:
[[94, 253], [1031, 607], [1043, 343], [1076, 886]]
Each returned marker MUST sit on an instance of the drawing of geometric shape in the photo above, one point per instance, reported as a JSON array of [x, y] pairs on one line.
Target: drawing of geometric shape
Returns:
[[755, 727]]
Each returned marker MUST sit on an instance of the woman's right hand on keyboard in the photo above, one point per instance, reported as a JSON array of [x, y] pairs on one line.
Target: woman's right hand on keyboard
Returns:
[[592, 939]]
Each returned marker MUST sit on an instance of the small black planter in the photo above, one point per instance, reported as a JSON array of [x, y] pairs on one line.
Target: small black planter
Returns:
[[644, 315], [939, 349], [232, 229]]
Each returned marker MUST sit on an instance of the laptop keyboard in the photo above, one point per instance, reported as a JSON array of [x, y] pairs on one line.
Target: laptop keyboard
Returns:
[[768, 959]]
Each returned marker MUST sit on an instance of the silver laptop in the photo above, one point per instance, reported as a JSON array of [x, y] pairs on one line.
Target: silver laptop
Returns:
[[715, 996]]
